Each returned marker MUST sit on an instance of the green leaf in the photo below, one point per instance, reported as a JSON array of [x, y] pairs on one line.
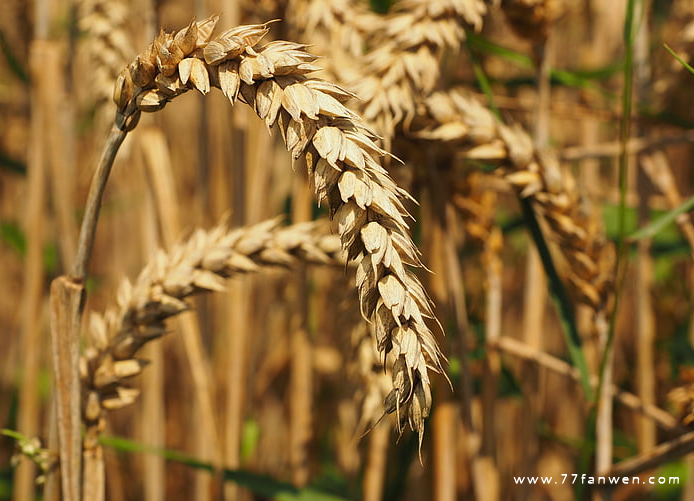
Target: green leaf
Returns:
[[260, 485], [662, 222], [675, 476], [12, 60], [682, 61], [380, 6], [250, 436], [12, 434], [12, 165], [12, 235]]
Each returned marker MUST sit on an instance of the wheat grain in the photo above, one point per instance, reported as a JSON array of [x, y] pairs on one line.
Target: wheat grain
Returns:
[[342, 160], [198, 265]]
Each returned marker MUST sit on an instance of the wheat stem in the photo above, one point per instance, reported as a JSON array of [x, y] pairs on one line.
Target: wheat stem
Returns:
[[85, 243], [661, 454]]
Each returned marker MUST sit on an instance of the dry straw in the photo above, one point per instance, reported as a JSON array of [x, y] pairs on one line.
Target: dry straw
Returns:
[[342, 161]]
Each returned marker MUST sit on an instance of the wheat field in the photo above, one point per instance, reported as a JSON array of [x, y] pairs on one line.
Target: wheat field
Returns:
[[342, 250]]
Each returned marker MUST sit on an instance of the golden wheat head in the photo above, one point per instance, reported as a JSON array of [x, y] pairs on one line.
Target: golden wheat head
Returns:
[[343, 165]]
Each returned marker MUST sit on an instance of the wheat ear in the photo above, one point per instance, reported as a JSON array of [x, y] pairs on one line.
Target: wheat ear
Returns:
[[405, 63], [457, 117], [198, 265], [342, 162], [107, 44]]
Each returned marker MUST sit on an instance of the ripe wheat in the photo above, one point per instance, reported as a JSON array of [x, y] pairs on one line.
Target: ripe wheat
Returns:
[[108, 47], [405, 63], [454, 116], [343, 165]]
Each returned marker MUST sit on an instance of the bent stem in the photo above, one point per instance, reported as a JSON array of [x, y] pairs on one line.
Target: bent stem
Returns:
[[93, 206], [67, 304]]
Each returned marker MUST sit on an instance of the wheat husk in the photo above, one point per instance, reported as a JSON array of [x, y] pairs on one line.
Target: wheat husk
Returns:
[[457, 118], [343, 165], [107, 46], [201, 264], [405, 63]]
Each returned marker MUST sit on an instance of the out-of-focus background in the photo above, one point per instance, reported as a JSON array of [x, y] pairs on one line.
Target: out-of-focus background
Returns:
[[276, 379]]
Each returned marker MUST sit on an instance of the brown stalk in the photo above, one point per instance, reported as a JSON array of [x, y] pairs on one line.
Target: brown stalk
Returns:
[[659, 455], [659, 172], [518, 349], [444, 460], [456, 293], [645, 321], [635, 145], [41, 52], [59, 109], [376, 462], [237, 337], [66, 308], [301, 376], [477, 207], [67, 298], [153, 408], [161, 186]]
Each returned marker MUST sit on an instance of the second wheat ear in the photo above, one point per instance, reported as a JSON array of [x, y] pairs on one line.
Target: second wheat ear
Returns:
[[342, 159]]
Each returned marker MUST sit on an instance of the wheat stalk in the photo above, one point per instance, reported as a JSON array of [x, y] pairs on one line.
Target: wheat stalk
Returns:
[[457, 117], [342, 161]]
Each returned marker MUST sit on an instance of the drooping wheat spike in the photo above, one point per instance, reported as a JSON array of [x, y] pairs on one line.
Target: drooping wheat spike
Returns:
[[343, 165], [106, 41], [457, 117], [406, 60], [201, 264]]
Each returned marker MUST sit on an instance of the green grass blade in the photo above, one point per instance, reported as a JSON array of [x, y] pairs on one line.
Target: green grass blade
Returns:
[[674, 54], [260, 485], [659, 224], [560, 299], [13, 61]]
